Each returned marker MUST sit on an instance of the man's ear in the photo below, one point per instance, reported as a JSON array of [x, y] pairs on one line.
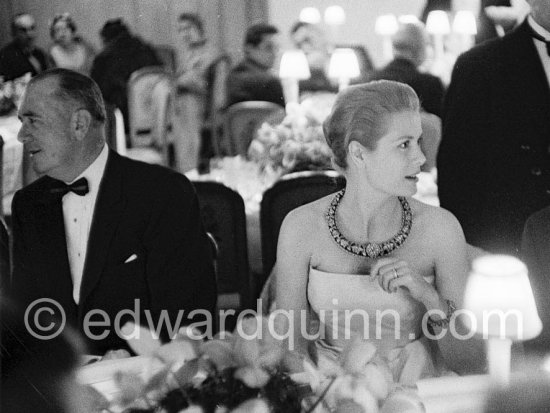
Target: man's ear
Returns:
[[80, 123], [356, 151]]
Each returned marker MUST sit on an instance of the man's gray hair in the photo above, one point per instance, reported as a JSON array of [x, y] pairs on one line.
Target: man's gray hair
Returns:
[[78, 88]]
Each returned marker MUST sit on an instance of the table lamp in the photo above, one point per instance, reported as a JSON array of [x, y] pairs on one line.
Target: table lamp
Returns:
[[437, 24], [386, 26], [334, 17], [343, 66], [310, 15], [293, 67], [464, 25], [499, 305]]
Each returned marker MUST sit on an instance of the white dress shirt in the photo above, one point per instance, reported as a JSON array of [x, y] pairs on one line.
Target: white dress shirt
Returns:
[[77, 215], [541, 46]]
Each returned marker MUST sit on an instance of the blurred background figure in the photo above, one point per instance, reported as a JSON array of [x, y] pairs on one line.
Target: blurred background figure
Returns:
[[122, 55], [21, 56], [69, 50], [498, 17], [253, 77], [195, 57], [409, 50], [310, 39]]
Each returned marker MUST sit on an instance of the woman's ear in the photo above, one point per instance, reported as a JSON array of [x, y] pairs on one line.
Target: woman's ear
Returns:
[[356, 150], [80, 122]]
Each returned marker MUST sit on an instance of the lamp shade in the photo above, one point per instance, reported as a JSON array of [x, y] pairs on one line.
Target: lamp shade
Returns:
[[386, 25], [294, 65], [499, 300], [335, 16], [343, 64], [465, 23], [310, 15], [438, 22]]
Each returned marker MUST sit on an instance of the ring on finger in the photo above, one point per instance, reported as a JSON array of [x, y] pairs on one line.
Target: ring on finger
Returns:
[[395, 274]]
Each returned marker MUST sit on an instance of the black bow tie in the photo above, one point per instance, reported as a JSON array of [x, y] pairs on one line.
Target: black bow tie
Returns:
[[79, 187], [537, 36]]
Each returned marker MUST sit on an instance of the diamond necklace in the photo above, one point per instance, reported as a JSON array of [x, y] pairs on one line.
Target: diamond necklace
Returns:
[[370, 249]]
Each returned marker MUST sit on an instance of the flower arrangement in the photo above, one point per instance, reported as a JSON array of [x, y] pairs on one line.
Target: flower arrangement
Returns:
[[243, 372], [11, 93], [298, 142]]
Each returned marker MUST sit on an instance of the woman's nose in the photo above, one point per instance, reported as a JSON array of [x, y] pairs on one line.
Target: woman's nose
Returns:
[[419, 157]]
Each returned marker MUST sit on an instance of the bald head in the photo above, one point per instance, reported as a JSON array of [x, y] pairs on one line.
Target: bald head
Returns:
[[409, 42]]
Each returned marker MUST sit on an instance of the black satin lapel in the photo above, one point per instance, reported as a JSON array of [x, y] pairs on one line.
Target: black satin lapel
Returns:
[[109, 206]]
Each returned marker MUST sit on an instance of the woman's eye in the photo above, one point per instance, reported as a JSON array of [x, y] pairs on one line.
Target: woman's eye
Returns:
[[404, 145]]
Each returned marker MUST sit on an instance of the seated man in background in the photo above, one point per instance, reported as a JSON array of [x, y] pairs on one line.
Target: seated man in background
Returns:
[[409, 50], [311, 40], [21, 56], [108, 238], [252, 78], [122, 55]]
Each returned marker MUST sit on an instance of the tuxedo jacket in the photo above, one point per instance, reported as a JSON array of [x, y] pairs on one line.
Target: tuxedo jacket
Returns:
[[494, 162], [429, 88], [142, 210], [535, 248]]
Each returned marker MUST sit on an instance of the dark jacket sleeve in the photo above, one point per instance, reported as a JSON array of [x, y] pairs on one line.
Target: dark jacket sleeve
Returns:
[[461, 157], [180, 270]]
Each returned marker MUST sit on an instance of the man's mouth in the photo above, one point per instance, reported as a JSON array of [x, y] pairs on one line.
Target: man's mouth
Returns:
[[412, 178], [33, 152]]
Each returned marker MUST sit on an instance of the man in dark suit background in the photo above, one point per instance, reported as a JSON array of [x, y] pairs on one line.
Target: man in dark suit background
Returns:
[[253, 78], [21, 56], [125, 239], [409, 49], [494, 159]]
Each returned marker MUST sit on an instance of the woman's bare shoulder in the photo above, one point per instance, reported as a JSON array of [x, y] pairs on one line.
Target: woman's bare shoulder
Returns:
[[436, 223], [308, 215]]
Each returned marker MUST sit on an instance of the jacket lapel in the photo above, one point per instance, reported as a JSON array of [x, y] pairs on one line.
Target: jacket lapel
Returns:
[[109, 206]]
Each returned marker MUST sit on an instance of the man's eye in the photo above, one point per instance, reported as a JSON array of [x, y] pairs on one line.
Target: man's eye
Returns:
[[404, 145]]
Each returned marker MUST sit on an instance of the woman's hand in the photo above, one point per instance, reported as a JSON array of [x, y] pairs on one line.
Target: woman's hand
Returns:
[[393, 273]]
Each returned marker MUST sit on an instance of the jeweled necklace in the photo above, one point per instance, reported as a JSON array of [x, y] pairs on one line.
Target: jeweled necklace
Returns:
[[370, 249]]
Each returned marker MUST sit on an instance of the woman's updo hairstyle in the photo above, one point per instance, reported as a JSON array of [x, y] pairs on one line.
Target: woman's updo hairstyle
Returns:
[[359, 113]]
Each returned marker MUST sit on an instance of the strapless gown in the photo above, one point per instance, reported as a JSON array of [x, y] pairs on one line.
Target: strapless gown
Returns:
[[346, 305]]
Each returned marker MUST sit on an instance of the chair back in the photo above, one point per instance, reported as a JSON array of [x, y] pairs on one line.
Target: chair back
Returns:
[[290, 192], [216, 102], [167, 55], [243, 119], [150, 104], [223, 216], [431, 136]]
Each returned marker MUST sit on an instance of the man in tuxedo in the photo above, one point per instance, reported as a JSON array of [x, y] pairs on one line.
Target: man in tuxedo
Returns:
[[103, 235], [494, 159], [21, 56]]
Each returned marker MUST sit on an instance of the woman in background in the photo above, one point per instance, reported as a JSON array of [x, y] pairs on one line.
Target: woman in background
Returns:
[[373, 248], [69, 50]]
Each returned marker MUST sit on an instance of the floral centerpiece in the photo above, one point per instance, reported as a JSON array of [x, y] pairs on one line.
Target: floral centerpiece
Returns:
[[244, 372], [298, 142], [11, 93]]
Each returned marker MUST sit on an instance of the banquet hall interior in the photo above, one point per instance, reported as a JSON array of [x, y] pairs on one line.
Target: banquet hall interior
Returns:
[[238, 96]]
